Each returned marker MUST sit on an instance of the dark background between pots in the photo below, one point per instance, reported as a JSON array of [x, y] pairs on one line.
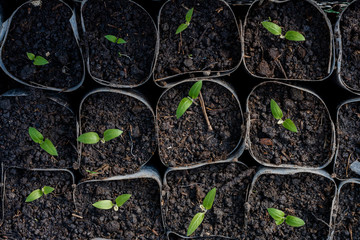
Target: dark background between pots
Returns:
[[329, 90]]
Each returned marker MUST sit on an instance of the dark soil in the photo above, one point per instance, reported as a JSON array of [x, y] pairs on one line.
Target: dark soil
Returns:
[[304, 195], [273, 144], [348, 139], [126, 153], [210, 43], [350, 34], [44, 31], [187, 141], [123, 19], [266, 54], [347, 222], [139, 218], [54, 121], [186, 189], [48, 217]]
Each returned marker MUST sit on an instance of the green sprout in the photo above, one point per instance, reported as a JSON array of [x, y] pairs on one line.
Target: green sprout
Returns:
[[199, 217], [38, 193], [46, 144], [185, 25], [278, 115], [276, 30], [108, 204], [279, 217], [91, 172], [186, 102], [37, 60], [115, 39], [93, 137]]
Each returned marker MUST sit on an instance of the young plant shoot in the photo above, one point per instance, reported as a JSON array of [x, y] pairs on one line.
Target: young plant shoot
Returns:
[[93, 137], [279, 217], [46, 144], [276, 30], [185, 25], [199, 217], [278, 115], [38, 193], [108, 204], [186, 102], [115, 39], [37, 60]]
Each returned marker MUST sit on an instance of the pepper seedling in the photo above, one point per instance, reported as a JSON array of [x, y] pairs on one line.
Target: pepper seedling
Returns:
[[115, 39], [199, 217], [185, 25], [37, 60], [108, 204], [93, 137], [278, 115], [38, 193], [46, 144], [279, 217], [276, 30], [186, 102]]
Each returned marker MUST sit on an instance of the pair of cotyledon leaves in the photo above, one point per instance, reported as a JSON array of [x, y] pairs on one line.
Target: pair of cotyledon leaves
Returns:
[[279, 217], [276, 30], [185, 25]]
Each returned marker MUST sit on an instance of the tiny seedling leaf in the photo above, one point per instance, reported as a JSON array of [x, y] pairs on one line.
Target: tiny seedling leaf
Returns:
[[290, 125], [277, 215], [120, 200], [34, 195], [275, 110], [111, 134], [272, 27], [120, 41], [103, 204], [181, 28], [294, 221], [209, 199], [195, 223], [195, 90], [47, 189], [35, 135], [31, 56], [89, 138], [183, 106], [294, 36], [39, 60], [189, 15], [111, 38], [49, 147]]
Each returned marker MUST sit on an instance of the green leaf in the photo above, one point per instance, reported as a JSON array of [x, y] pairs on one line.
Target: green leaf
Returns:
[[35, 135], [111, 38], [120, 200], [275, 110], [294, 221], [89, 138], [277, 215], [272, 27], [103, 204], [120, 41], [195, 223], [91, 172], [294, 36], [280, 221], [195, 90], [39, 61], [31, 56], [111, 134], [209, 199], [34, 195], [49, 147], [189, 15], [181, 28], [47, 189], [184, 104], [290, 125]]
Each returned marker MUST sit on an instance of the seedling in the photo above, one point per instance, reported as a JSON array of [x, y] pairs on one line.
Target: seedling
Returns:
[[276, 30], [115, 39], [93, 137], [46, 144], [91, 172], [108, 204], [185, 25], [279, 217], [278, 115], [186, 102], [38, 193], [37, 60], [199, 217]]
